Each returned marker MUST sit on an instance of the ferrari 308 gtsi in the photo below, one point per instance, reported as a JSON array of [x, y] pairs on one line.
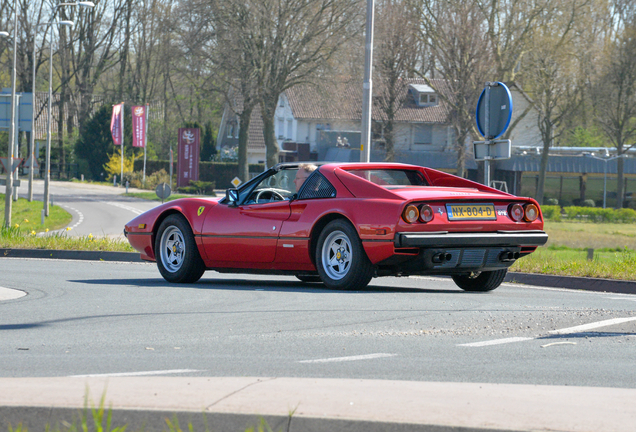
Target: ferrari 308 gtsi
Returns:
[[346, 223]]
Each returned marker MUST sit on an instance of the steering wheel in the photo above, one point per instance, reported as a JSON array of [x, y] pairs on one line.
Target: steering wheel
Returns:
[[276, 196]]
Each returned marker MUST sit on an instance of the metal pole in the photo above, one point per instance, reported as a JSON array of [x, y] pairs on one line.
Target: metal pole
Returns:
[[145, 142], [121, 178], [605, 184], [367, 87], [16, 147], [9, 182], [32, 126], [47, 175], [488, 137]]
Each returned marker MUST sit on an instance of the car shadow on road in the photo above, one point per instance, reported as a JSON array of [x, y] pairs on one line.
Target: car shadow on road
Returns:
[[259, 285]]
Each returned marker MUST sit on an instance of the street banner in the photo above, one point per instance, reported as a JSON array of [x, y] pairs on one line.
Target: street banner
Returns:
[[139, 126], [116, 124], [188, 156]]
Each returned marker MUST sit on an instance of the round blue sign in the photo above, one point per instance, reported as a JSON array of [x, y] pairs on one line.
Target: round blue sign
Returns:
[[494, 110]]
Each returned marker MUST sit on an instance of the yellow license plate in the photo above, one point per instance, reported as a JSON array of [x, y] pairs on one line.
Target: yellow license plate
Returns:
[[471, 212]]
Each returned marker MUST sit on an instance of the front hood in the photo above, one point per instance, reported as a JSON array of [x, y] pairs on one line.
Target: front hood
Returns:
[[446, 193]]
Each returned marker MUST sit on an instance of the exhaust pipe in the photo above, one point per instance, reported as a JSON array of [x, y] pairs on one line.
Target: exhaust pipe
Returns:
[[507, 256], [442, 257]]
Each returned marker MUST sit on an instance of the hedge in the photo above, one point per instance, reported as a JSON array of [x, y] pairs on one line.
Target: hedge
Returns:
[[221, 173], [592, 214]]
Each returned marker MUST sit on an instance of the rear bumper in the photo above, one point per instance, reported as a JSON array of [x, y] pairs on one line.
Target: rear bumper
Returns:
[[445, 239]]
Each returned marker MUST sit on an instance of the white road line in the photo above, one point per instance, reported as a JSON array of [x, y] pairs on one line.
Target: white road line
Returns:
[[568, 330], [622, 298], [497, 342], [591, 326], [125, 207], [145, 373], [351, 358]]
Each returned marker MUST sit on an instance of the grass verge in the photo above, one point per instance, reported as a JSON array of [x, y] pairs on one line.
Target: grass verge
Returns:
[[16, 238], [563, 261], [27, 216]]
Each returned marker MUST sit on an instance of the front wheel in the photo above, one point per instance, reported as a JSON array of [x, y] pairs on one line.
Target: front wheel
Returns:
[[176, 251], [340, 258], [484, 281]]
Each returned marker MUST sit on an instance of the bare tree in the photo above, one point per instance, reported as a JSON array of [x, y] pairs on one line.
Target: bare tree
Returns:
[[614, 98], [293, 42], [453, 31], [551, 76], [396, 54]]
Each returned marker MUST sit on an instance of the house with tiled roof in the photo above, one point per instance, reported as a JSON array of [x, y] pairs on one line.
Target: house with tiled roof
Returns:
[[323, 123]]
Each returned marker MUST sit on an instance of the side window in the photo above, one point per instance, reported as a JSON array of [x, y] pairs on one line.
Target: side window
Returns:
[[317, 186]]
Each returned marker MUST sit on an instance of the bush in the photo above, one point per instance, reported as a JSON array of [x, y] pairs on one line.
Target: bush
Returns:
[[152, 180], [601, 215], [589, 203], [198, 188], [552, 201], [551, 212]]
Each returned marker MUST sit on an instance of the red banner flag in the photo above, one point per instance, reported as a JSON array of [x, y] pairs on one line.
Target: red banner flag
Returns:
[[188, 159], [115, 124], [139, 126]]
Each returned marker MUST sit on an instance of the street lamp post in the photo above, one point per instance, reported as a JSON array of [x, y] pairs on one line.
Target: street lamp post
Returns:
[[47, 178], [8, 192], [605, 160]]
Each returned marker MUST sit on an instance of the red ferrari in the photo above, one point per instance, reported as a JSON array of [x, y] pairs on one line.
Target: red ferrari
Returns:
[[345, 224]]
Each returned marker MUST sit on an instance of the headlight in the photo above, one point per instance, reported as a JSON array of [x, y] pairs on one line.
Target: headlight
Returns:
[[410, 214]]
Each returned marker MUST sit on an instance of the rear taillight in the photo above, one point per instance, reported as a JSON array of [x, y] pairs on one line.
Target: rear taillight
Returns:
[[426, 213], [516, 212], [531, 212], [411, 214]]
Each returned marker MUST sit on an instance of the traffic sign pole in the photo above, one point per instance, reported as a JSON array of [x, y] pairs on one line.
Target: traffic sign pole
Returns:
[[494, 110]]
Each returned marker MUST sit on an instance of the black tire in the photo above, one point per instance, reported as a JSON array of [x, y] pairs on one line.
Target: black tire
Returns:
[[176, 251], [484, 281], [340, 258], [309, 278]]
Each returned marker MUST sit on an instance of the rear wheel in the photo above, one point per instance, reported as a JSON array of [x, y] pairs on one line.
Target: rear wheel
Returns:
[[340, 257], [484, 281], [176, 251]]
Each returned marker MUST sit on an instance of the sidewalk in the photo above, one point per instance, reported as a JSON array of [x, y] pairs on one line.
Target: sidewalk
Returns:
[[385, 404]]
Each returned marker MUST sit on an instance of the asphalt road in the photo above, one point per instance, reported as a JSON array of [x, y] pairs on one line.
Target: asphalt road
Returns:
[[123, 319], [96, 209]]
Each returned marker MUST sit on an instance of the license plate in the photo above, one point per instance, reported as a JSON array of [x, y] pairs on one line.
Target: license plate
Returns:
[[471, 212]]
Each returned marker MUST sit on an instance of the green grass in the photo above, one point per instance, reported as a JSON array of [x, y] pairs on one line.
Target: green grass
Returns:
[[153, 196], [28, 216], [619, 265], [565, 253]]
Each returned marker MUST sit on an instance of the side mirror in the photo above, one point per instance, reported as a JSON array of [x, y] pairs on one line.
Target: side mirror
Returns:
[[232, 197]]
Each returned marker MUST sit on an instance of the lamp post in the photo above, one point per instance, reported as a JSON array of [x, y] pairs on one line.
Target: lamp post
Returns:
[[367, 87], [8, 192], [605, 160], [47, 178]]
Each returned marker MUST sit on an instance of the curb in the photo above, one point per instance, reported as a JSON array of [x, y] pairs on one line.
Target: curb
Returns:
[[573, 282], [567, 282], [72, 255]]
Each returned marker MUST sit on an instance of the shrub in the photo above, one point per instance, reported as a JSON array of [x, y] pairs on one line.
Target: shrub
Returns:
[[152, 180], [601, 214], [198, 188], [552, 201], [551, 212], [589, 203]]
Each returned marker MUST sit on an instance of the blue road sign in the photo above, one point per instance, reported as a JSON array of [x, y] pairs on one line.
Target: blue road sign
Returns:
[[494, 110]]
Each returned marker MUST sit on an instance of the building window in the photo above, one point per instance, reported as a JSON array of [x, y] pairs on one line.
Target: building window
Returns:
[[423, 134], [281, 129], [427, 99], [232, 129]]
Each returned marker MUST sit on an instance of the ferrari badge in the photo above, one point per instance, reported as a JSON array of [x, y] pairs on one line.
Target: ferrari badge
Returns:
[[200, 210]]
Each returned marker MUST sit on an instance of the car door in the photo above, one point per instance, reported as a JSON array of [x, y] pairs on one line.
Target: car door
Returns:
[[238, 236]]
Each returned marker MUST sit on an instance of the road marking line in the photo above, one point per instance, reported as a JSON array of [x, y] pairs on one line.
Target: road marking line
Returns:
[[351, 358], [591, 326], [568, 330], [146, 373], [496, 342], [622, 298]]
